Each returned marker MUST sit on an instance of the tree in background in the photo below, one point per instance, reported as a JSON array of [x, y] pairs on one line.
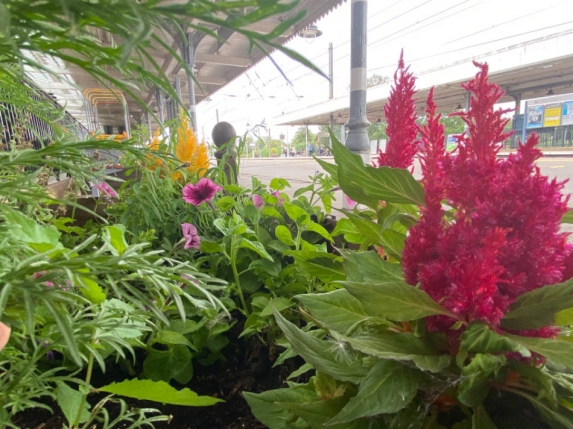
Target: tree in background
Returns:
[[299, 139]]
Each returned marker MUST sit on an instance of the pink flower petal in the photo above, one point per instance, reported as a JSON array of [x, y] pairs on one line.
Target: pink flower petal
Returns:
[[204, 190], [5, 331], [258, 201]]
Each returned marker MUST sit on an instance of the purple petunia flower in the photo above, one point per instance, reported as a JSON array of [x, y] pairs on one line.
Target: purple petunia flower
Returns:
[[203, 191], [278, 195], [258, 201], [192, 239]]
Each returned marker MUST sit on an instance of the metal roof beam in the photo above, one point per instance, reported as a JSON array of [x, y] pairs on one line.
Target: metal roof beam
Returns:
[[222, 60]]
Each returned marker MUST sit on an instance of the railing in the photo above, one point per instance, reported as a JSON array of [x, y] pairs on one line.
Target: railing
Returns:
[[550, 137], [18, 126]]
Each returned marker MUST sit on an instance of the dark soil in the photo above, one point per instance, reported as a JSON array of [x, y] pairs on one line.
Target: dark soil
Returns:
[[248, 368]]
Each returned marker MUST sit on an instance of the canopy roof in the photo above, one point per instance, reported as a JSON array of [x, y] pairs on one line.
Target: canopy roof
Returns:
[[217, 62]]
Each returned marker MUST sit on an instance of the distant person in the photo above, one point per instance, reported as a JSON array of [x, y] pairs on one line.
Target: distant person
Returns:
[[285, 152], [224, 136], [292, 152], [311, 149]]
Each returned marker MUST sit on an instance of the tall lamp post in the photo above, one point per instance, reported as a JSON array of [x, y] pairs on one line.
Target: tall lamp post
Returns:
[[357, 140]]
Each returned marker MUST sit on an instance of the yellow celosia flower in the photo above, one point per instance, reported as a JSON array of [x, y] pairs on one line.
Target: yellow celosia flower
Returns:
[[193, 157], [154, 162]]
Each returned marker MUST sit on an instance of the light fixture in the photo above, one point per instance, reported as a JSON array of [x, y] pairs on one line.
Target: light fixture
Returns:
[[379, 120], [459, 106], [310, 32], [550, 92]]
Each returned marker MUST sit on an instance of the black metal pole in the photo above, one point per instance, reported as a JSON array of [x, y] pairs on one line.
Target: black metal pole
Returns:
[[357, 140]]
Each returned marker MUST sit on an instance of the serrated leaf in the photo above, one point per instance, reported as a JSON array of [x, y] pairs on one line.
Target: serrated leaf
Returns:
[[283, 235], [115, 237], [557, 351], [158, 391], [395, 301], [69, 401], [537, 308], [256, 247], [319, 353], [369, 185], [91, 290], [388, 387], [21, 227], [478, 338], [370, 267], [336, 310]]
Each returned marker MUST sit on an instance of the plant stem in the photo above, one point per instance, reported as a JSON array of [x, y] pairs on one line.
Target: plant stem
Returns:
[[85, 395], [236, 276]]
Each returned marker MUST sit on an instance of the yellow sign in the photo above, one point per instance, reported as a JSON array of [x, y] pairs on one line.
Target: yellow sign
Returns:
[[552, 115]]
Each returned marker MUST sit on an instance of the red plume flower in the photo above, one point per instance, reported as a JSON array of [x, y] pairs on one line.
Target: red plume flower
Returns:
[[400, 114], [504, 238]]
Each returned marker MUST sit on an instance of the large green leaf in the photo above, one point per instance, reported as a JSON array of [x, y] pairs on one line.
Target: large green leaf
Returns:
[[478, 338], [557, 351], [370, 267], [269, 406], [22, 228], [391, 241], [114, 236], [476, 383], [368, 185], [158, 391], [331, 169], [336, 310], [69, 401], [326, 266], [320, 354], [388, 387], [91, 289], [256, 247], [297, 214], [537, 308], [283, 235], [399, 346], [163, 365], [395, 300]]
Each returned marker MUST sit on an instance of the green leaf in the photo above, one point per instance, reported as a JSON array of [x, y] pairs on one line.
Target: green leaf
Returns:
[[398, 346], [158, 391], [267, 406], [557, 351], [478, 338], [368, 185], [69, 400], [564, 317], [256, 247], [21, 227], [336, 310], [476, 381], [272, 268], [391, 241], [481, 420], [279, 184], [319, 229], [297, 214], [558, 419], [233, 189], [278, 304], [283, 235], [225, 203], [171, 338], [395, 300], [318, 413], [370, 267], [166, 364], [211, 247], [567, 217], [433, 364], [331, 169], [537, 308], [271, 212], [319, 353], [91, 290], [253, 214], [114, 235], [388, 387], [325, 266]]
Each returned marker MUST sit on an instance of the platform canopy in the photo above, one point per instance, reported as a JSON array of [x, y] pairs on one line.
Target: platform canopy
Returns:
[[521, 80], [218, 61]]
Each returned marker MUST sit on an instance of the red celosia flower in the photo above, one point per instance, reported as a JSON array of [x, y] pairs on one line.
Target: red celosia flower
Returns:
[[504, 239], [401, 126], [203, 191]]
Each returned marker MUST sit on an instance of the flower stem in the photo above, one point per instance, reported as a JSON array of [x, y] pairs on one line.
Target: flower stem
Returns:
[[236, 276], [85, 395]]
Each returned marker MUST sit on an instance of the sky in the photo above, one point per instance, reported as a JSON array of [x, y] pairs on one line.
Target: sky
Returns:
[[432, 33]]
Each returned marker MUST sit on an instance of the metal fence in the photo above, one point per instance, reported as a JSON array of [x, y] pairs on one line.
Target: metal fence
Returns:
[[549, 138], [21, 126]]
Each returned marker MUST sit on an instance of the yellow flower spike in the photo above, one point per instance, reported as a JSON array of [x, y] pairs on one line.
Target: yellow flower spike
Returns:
[[193, 157], [154, 162]]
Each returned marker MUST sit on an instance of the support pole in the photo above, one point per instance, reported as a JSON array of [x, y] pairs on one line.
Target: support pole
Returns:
[[178, 91], [159, 97], [357, 140], [331, 85], [190, 78]]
